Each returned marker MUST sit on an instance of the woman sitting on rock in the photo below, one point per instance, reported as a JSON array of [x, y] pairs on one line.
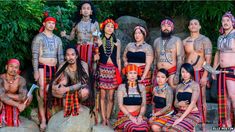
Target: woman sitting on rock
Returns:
[[187, 94], [132, 102], [162, 102]]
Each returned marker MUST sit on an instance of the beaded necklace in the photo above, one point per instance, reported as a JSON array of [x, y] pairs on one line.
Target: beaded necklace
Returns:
[[187, 84], [108, 46], [161, 90]]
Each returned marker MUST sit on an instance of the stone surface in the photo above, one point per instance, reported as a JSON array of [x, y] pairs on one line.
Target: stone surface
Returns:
[[25, 126], [80, 123], [127, 24], [100, 128]]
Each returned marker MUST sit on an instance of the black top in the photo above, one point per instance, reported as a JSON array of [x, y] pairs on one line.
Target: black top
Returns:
[[136, 57], [104, 58], [160, 102], [183, 96], [132, 100]]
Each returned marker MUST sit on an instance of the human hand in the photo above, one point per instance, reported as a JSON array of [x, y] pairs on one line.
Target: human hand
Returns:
[[176, 79], [36, 75], [21, 107], [139, 119], [203, 81], [96, 57], [63, 33], [177, 121]]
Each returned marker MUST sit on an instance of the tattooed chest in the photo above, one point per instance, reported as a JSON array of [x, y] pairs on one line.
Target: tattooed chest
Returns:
[[194, 45], [11, 88], [166, 51]]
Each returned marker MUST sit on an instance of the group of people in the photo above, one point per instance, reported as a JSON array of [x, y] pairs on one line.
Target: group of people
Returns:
[[169, 97]]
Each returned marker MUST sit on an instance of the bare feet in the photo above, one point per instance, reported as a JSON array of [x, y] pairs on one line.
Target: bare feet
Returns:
[[108, 123], [43, 127], [104, 122]]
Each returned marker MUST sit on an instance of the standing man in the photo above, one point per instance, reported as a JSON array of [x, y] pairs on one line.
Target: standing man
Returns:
[[169, 53], [47, 53], [84, 30], [198, 49], [13, 94], [223, 58]]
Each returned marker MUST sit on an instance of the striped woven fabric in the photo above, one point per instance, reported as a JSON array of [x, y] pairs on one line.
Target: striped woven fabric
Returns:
[[9, 116], [125, 124], [186, 125], [148, 85], [222, 97], [71, 104]]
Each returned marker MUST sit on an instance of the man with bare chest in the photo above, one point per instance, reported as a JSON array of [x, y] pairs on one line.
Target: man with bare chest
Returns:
[[47, 53], [13, 93], [169, 53], [224, 59], [198, 49]]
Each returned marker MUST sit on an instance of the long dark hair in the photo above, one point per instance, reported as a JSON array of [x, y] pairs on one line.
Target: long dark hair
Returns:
[[82, 75], [78, 16], [127, 85], [189, 68]]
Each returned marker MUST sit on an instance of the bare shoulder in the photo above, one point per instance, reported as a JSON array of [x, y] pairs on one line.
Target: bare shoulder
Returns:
[[118, 43], [185, 40], [195, 85], [142, 88]]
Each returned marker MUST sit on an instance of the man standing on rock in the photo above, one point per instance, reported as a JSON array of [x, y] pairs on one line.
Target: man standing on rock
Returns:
[[47, 52], [169, 53], [226, 81], [198, 49], [13, 93]]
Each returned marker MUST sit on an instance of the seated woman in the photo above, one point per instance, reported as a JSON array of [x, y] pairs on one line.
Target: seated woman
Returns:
[[187, 94], [162, 102], [132, 103]]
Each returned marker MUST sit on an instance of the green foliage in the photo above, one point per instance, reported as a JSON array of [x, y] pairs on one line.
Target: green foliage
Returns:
[[19, 20]]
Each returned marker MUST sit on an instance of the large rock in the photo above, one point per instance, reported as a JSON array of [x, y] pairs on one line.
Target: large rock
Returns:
[[127, 24], [100, 128], [25, 126], [80, 123]]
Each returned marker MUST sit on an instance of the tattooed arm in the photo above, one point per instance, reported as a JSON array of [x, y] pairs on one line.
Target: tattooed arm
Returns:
[[60, 52], [194, 98], [180, 59], [118, 55], [4, 98], [124, 55], [169, 100], [22, 92], [72, 34], [143, 105], [208, 55], [120, 95], [36, 44], [148, 62]]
